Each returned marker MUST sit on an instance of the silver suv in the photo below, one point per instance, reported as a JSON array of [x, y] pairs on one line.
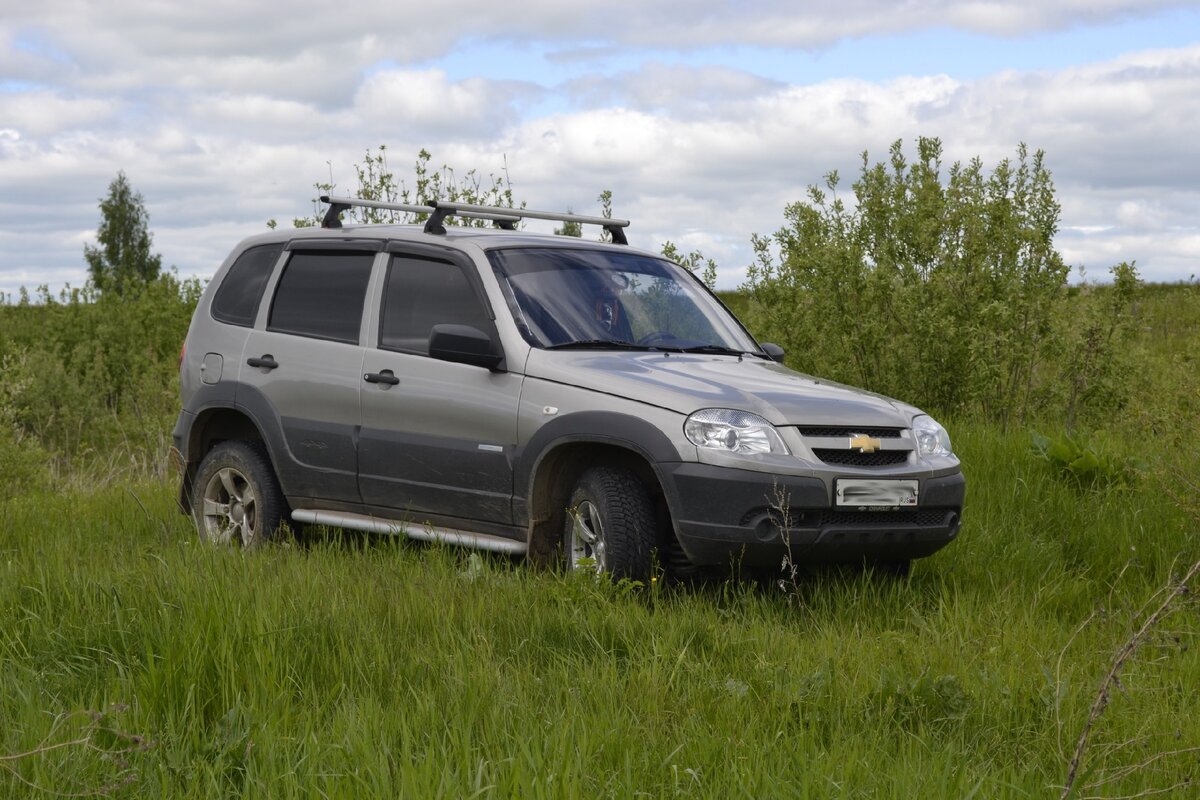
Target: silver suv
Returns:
[[533, 394]]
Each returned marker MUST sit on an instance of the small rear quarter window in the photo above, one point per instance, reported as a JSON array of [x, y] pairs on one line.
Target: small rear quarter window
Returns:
[[237, 299]]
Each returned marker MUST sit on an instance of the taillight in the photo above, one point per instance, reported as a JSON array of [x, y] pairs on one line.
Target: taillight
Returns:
[[182, 353]]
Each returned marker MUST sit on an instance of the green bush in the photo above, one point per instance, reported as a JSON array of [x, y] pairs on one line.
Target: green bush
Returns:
[[946, 293], [92, 379], [22, 458]]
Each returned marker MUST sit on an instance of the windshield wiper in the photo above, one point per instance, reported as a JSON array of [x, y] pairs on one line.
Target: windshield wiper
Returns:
[[598, 344], [717, 348]]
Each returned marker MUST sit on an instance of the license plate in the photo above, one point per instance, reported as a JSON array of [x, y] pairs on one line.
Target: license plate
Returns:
[[877, 492]]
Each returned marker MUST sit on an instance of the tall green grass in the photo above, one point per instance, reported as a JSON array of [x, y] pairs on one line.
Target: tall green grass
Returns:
[[352, 667], [347, 666]]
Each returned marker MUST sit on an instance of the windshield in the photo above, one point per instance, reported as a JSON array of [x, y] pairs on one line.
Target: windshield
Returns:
[[592, 298]]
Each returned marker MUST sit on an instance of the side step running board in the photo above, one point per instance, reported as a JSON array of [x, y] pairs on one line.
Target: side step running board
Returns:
[[425, 533]]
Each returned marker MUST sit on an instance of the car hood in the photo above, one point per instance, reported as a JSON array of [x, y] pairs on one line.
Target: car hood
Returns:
[[686, 382]]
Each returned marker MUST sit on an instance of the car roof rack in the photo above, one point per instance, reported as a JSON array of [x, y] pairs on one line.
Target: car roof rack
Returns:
[[333, 215], [438, 210], [444, 208]]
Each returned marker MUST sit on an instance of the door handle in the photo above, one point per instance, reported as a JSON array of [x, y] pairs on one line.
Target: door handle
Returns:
[[267, 361], [387, 376]]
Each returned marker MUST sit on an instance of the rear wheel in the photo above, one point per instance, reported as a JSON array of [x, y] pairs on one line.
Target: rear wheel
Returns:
[[610, 524], [237, 498]]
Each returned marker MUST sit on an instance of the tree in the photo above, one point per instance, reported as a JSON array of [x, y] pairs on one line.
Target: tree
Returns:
[[122, 258], [940, 289], [377, 182], [570, 228], [693, 261], [605, 198]]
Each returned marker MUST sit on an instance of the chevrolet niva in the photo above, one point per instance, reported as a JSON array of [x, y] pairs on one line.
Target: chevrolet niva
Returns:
[[573, 401]]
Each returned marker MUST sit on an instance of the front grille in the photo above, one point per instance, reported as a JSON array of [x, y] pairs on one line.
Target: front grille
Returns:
[[878, 433], [852, 458], [835, 517], [921, 517]]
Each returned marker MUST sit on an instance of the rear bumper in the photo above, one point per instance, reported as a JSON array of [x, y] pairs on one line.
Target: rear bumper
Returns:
[[724, 516], [183, 428]]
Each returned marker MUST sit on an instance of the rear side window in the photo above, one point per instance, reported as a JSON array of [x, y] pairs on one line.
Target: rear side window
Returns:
[[421, 293], [321, 295], [236, 301]]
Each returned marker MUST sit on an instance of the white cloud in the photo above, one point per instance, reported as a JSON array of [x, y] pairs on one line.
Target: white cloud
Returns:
[[312, 38], [427, 103], [678, 89], [1014, 18], [1177, 254], [42, 112], [224, 115]]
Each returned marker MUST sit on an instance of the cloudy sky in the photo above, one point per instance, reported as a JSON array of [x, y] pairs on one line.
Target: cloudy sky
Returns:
[[705, 118]]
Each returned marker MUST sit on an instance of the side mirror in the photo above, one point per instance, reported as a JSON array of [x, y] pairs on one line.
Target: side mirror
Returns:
[[464, 345], [773, 351]]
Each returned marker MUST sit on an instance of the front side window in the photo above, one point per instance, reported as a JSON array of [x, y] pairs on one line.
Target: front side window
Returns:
[[322, 295], [576, 297], [236, 301], [421, 293]]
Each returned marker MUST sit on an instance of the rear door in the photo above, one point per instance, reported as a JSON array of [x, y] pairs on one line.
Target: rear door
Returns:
[[301, 371], [437, 437]]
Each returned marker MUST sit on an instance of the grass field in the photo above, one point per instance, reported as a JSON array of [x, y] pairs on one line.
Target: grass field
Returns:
[[354, 667], [135, 662]]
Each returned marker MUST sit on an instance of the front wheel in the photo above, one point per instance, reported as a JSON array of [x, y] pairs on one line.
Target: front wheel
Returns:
[[237, 498], [610, 524]]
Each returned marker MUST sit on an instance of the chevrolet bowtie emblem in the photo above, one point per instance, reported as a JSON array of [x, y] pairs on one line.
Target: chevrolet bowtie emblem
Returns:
[[864, 444]]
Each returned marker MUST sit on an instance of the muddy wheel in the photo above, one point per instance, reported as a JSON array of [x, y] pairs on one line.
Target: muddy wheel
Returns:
[[237, 500], [610, 524]]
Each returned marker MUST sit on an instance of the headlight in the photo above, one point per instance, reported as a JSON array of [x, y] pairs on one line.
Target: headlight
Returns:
[[733, 431], [932, 439]]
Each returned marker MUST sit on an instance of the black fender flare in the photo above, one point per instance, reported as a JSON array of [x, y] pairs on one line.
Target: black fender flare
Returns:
[[207, 397], [539, 514], [245, 400], [255, 405], [599, 427]]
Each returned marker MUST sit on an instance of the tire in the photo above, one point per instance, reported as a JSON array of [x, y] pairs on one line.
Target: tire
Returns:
[[236, 497], [610, 520]]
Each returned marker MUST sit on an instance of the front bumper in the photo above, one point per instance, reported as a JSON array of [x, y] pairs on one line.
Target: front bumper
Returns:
[[724, 515]]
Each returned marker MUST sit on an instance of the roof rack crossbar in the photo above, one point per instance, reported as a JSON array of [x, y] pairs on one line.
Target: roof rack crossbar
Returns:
[[438, 210], [337, 205], [445, 207]]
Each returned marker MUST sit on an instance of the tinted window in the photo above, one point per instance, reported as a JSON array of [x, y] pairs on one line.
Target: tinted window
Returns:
[[321, 295], [236, 301], [560, 296], [421, 293]]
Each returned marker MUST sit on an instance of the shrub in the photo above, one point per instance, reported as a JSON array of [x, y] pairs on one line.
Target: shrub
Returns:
[[949, 294], [22, 459], [104, 386]]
